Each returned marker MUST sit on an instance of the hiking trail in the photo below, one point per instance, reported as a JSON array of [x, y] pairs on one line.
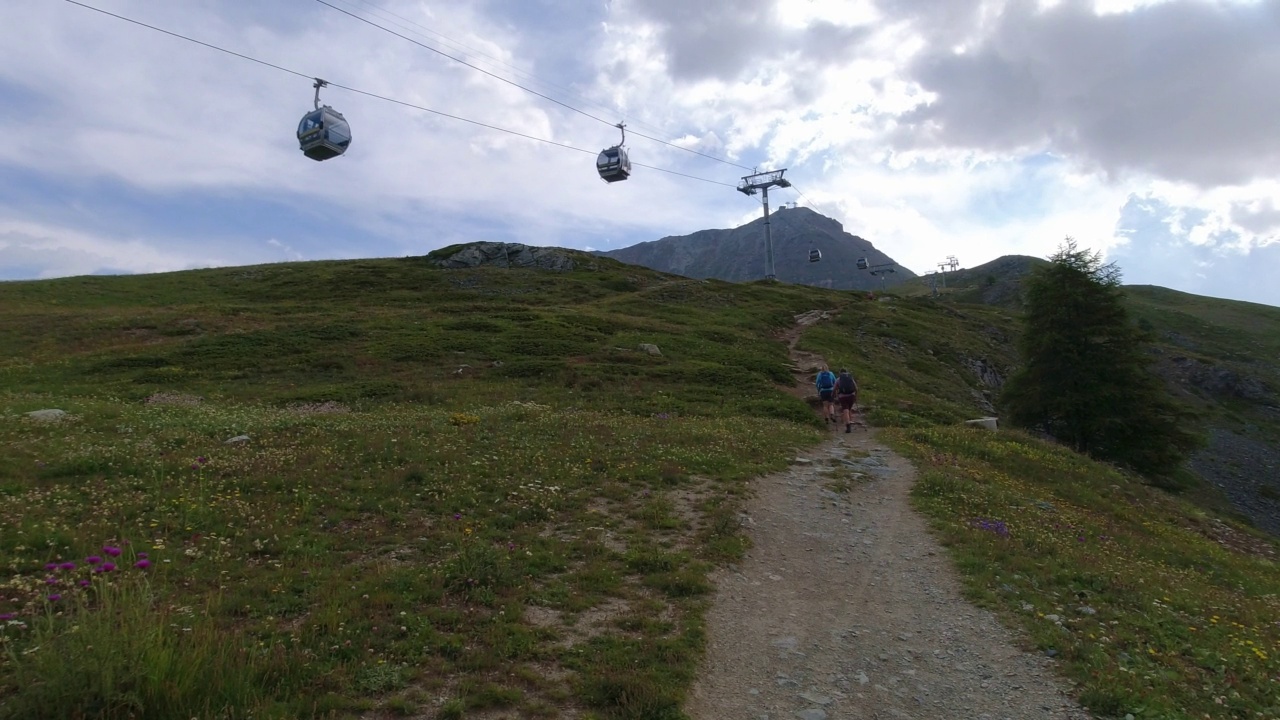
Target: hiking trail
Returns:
[[847, 607]]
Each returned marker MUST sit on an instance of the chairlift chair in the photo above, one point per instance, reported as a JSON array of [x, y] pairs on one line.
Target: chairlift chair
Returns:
[[613, 163], [323, 133], [862, 263]]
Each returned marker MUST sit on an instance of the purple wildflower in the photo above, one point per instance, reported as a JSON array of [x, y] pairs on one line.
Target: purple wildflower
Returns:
[[142, 556], [55, 597], [84, 583], [457, 516], [202, 459], [51, 580], [67, 566], [992, 526], [195, 466], [7, 616], [111, 550], [93, 559], [108, 566], [51, 566], [142, 564]]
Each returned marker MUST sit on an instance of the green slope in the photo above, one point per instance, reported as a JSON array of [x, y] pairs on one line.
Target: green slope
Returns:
[[448, 470]]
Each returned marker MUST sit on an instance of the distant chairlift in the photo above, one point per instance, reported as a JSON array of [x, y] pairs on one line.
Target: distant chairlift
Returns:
[[613, 163], [862, 263], [323, 133], [815, 255]]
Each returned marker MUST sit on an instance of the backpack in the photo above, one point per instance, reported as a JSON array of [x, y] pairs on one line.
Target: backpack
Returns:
[[846, 385], [826, 380]]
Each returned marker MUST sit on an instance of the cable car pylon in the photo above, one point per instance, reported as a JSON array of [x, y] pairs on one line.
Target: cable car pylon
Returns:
[[763, 181]]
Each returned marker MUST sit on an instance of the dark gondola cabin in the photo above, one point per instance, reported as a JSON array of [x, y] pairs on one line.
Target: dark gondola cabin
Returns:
[[815, 255], [323, 133], [862, 263], [613, 164]]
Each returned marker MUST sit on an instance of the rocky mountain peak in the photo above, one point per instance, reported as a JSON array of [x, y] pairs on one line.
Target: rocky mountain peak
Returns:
[[738, 254]]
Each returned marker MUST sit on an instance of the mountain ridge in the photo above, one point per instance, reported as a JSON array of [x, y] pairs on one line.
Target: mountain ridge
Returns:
[[738, 254]]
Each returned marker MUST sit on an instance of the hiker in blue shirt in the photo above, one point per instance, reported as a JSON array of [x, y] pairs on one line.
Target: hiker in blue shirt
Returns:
[[826, 384]]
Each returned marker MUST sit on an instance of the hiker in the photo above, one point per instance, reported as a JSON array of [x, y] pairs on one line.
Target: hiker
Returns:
[[847, 394], [826, 384]]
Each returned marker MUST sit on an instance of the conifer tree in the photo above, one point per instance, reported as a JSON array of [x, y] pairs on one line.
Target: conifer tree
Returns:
[[1086, 378]]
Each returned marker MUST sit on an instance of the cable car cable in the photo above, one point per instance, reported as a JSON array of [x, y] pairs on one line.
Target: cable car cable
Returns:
[[370, 94], [806, 199], [375, 8], [189, 39], [522, 87]]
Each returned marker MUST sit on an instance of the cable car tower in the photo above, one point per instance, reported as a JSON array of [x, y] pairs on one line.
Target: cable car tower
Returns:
[[951, 263], [877, 270], [763, 181]]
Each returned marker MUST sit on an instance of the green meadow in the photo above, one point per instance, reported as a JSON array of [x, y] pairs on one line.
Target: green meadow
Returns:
[[465, 493]]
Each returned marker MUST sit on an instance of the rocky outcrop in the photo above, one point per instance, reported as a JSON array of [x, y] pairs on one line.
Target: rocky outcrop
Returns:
[[1245, 468], [506, 255], [1220, 382]]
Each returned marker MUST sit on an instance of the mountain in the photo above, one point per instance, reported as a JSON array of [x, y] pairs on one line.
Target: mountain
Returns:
[[997, 282], [739, 254]]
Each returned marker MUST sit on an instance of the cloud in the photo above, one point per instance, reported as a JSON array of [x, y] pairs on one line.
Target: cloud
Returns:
[[1260, 216], [1183, 90], [60, 251], [1192, 250]]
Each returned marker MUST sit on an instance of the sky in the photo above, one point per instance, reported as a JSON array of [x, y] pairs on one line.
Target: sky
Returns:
[[1143, 129]]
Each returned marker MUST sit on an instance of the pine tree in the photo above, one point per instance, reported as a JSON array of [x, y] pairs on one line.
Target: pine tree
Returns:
[[1086, 378]]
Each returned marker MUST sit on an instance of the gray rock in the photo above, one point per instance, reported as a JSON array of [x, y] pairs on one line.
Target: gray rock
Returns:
[[508, 255], [650, 348], [812, 714], [815, 698], [236, 440], [50, 415]]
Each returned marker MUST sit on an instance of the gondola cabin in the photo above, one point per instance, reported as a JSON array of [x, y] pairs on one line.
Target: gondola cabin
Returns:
[[323, 133], [613, 164], [815, 255], [862, 263]]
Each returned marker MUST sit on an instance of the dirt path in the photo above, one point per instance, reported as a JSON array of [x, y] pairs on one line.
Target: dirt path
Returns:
[[846, 606]]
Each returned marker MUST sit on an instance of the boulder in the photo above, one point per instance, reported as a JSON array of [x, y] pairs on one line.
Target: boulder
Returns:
[[987, 423], [50, 415], [650, 348]]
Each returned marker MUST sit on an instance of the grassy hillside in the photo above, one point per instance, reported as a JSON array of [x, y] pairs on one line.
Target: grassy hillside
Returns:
[[467, 492]]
